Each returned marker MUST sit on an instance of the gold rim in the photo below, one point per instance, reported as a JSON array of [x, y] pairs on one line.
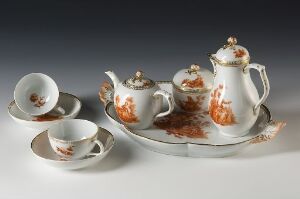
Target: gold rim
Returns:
[[189, 91], [202, 144], [229, 64]]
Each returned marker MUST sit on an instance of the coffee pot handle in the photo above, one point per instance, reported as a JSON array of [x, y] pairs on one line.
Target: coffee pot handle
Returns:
[[169, 99], [265, 81]]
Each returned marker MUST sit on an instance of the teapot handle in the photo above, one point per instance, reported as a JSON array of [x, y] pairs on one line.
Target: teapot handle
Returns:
[[169, 99], [265, 81]]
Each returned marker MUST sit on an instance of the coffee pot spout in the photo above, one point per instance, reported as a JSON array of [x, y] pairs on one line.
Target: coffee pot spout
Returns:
[[114, 78]]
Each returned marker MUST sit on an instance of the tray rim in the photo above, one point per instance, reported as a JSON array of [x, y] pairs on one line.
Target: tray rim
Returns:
[[269, 122]]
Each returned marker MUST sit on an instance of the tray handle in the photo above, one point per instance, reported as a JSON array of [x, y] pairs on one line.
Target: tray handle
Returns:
[[269, 132], [106, 93]]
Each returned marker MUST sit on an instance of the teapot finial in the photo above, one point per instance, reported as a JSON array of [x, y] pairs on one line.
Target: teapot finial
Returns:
[[139, 75], [231, 41]]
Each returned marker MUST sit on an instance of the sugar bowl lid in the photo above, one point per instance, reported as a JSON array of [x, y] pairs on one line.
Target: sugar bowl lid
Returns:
[[232, 54], [194, 79], [139, 82]]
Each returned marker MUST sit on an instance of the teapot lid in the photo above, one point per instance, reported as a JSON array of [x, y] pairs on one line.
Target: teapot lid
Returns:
[[231, 54], [195, 79], [139, 82]]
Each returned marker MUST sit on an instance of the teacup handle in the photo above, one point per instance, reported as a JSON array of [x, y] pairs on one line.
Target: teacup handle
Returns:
[[59, 109], [100, 146], [169, 99], [263, 75]]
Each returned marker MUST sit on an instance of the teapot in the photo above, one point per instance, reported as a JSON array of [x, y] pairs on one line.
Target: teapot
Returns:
[[234, 102], [138, 100]]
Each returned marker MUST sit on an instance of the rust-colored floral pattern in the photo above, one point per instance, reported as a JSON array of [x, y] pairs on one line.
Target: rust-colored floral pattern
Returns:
[[196, 83], [239, 53], [220, 110], [46, 117], [271, 132], [126, 112], [37, 100], [181, 124], [190, 104], [67, 152]]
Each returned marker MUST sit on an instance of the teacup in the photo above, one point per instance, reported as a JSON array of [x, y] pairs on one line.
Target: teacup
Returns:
[[37, 94], [74, 139]]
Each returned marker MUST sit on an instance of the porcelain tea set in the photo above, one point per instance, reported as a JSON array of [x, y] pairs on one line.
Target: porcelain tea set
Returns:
[[197, 114]]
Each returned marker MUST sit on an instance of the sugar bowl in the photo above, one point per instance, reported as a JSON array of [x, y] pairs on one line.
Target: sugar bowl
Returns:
[[191, 88]]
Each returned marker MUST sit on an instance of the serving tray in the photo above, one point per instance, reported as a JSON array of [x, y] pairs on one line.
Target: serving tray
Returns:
[[194, 135]]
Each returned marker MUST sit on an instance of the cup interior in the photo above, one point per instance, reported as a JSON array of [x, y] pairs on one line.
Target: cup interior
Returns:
[[36, 94], [73, 130]]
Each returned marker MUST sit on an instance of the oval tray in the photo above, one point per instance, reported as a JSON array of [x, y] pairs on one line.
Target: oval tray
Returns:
[[173, 135]]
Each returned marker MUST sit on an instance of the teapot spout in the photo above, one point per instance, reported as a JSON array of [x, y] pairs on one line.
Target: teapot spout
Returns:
[[113, 78]]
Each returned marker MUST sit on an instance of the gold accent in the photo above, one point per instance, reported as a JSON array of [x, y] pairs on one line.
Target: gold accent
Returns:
[[150, 84], [229, 63], [190, 91], [139, 75], [73, 141], [231, 41]]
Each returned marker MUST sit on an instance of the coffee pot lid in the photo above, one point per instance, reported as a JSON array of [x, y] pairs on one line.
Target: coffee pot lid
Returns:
[[232, 54], [194, 79], [139, 82]]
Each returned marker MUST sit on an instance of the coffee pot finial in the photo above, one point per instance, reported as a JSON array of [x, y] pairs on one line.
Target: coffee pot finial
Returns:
[[231, 41]]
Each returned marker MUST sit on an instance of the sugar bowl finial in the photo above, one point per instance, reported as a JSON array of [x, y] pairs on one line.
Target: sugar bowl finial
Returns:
[[231, 41], [194, 68]]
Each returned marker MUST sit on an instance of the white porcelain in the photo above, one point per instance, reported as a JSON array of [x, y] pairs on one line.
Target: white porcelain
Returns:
[[70, 103], [74, 139], [42, 150], [36, 94], [194, 135], [138, 100], [234, 102], [191, 88]]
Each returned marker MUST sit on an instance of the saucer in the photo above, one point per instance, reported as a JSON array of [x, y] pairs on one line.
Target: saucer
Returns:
[[70, 103], [42, 150]]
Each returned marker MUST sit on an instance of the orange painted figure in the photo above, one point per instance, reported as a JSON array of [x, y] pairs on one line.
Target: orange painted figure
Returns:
[[68, 151], [37, 100], [46, 117], [239, 53], [190, 104], [196, 83], [220, 111], [126, 112]]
